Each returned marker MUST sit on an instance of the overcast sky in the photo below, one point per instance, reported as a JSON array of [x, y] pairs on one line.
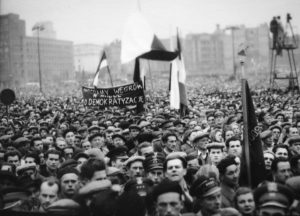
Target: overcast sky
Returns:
[[102, 21]]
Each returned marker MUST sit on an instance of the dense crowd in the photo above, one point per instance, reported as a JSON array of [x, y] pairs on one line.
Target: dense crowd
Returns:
[[58, 156]]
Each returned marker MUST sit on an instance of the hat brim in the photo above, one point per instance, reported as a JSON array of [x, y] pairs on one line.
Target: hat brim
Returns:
[[211, 191]]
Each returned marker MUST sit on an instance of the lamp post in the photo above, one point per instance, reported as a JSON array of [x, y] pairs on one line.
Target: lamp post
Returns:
[[233, 28], [39, 28]]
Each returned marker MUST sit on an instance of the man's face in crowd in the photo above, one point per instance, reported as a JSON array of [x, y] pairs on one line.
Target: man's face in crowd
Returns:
[[172, 143], [136, 169], [169, 204], [235, 128], [293, 132], [211, 120], [68, 152], [201, 144], [216, 155], [70, 137], [295, 147], [99, 175], [80, 161], [281, 152], [193, 163], [212, 203], [97, 142], [275, 133], [147, 150], [280, 118], [10, 133], [134, 132], [86, 145], [180, 128], [219, 119], [235, 148], [119, 162], [268, 158], [69, 184], [231, 176], [117, 141], [30, 160], [245, 203], [38, 145], [77, 142], [48, 195], [156, 175], [61, 144], [49, 139], [175, 170], [229, 134], [43, 133], [268, 119], [283, 172], [52, 161], [192, 124], [14, 160]]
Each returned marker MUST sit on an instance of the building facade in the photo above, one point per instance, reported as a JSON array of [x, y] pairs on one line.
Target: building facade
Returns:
[[19, 62]]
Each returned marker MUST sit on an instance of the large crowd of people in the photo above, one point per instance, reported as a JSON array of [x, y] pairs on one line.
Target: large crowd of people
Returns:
[[59, 157]]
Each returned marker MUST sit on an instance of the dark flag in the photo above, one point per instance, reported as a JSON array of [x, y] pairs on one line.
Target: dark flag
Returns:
[[252, 162]]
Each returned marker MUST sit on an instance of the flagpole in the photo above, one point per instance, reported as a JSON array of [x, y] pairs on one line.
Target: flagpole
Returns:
[[246, 129], [242, 62], [111, 81]]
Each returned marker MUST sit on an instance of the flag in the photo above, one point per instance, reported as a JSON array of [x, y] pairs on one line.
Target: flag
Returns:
[[252, 162], [178, 97], [102, 64], [139, 41]]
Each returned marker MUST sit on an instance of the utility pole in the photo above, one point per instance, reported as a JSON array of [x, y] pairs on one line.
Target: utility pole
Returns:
[[39, 28], [233, 29]]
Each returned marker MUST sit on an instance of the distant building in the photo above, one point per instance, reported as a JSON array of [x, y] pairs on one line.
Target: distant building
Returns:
[[86, 57], [19, 55]]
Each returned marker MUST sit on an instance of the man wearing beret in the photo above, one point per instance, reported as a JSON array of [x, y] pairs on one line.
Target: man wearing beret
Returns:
[[208, 195], [273, 199], [168, 199], [229, 177]]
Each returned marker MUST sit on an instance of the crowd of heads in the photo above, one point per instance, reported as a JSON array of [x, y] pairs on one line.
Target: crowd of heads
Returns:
[[56, 155]]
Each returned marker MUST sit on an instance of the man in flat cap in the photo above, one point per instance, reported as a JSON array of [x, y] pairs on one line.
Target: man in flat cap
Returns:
[[134, 166], [273, 199], [200, 142], [153, 166], [215, 152], [208, 196], [117, 157]]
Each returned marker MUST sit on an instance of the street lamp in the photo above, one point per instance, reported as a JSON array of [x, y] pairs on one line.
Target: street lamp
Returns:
[[233, 28], [38, 28]]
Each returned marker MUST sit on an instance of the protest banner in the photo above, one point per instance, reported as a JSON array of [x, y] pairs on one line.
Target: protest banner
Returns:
[[130, 94]]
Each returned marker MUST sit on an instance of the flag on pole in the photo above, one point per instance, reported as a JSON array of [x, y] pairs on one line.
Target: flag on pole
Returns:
[[139, 41], [102, 64], [178, 97], [252, 162]]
